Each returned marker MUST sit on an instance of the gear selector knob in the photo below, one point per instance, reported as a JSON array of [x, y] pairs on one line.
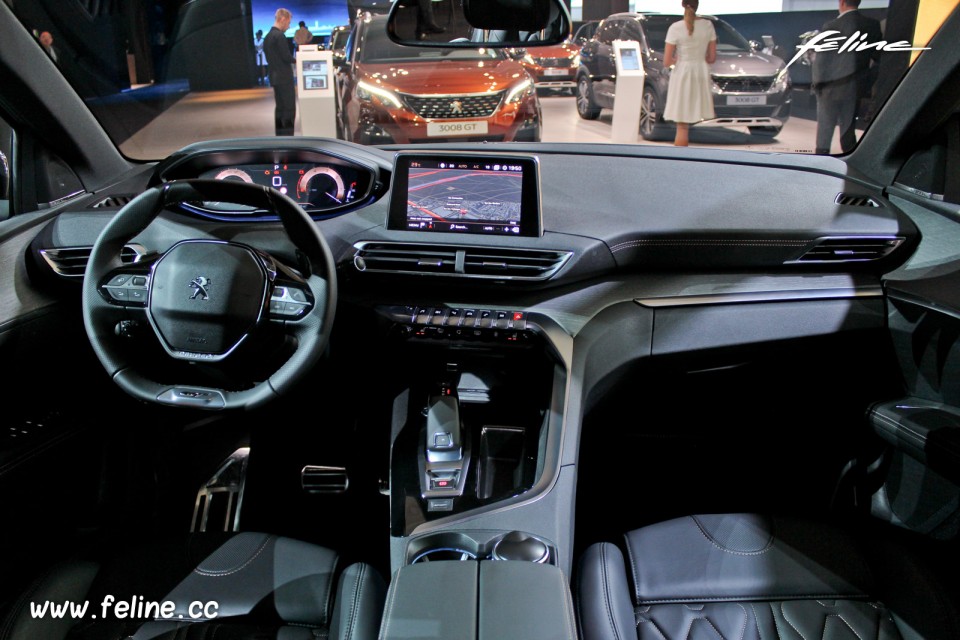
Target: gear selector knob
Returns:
[[443, 429]]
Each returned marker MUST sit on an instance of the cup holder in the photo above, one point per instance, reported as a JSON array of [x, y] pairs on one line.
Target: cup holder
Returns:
[[443, 553], [449, 545], [480, 545]]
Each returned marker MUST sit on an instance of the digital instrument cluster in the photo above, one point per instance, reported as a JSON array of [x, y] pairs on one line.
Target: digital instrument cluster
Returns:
[[315, 187]]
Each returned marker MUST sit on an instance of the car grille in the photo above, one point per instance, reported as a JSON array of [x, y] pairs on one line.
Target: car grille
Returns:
[[744, 84], [553, 62], [452, 107]]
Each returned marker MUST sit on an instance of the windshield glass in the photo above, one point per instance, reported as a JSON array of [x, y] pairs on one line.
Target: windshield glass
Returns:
[[161, 74], [377, 47]]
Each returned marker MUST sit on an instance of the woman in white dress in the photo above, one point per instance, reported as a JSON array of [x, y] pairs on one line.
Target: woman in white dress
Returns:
[[692, 47]]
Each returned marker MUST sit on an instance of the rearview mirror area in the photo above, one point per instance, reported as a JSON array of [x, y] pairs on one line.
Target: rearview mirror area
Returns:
[[478, 23]]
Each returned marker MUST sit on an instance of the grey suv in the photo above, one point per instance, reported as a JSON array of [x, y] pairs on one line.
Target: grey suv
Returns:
[[750, 88]]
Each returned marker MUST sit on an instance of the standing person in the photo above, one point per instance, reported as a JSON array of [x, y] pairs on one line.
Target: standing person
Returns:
[[46, 39], [260, 57], [302, 35], [279, 66], [692, 47], [840, 80]]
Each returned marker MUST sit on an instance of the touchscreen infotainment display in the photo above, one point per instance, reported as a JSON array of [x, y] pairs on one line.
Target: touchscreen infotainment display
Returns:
[[466, 194]]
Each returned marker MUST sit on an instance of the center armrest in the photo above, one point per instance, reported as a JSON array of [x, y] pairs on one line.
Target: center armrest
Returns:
[[471, 600]]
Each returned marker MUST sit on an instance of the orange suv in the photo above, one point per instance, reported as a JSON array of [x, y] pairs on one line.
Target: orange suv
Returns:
[[390, 93]]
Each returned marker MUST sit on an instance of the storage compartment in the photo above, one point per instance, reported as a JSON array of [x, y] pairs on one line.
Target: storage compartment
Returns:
[[500, 465]]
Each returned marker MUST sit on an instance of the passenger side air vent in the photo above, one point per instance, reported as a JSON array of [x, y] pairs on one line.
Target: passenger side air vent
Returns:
[[71, 262], [855, 200], [851, 249], [497, 263], [113, 202]]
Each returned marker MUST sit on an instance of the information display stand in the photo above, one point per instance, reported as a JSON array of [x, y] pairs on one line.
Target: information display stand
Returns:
[[315, 92], [629, 91]]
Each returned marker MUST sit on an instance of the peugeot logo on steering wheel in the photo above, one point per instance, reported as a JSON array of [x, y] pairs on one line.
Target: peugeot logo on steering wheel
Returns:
[[199, 285]]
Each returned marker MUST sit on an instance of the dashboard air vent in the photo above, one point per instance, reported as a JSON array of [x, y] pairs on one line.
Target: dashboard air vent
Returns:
[[851, 249], [71, 262], [855, 200], [113, 202], [498, 263]]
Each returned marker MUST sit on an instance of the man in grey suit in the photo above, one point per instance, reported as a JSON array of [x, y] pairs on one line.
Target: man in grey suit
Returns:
[[841, 79], [279, 61]]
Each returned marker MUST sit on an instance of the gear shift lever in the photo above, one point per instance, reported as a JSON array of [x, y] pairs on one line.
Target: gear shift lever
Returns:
[[444, 443], [447, 452]]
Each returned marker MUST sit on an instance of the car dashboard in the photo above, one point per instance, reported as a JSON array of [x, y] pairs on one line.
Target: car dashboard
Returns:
[[621, 255]]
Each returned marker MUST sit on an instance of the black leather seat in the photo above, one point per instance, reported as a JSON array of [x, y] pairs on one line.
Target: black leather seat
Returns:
[[263, 587], [744, 576]]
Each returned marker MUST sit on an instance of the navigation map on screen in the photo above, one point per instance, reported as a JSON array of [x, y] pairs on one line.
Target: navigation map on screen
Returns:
[[469, 197]]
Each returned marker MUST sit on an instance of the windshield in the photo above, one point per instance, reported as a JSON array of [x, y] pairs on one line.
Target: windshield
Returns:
[[173, 72], [377, 47]]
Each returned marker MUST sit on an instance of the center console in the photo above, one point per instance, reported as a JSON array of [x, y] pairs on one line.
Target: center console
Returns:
[[481, 500]]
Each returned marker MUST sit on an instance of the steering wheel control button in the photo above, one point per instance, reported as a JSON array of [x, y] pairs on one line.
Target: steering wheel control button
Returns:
[[206, 297], [126, 289], [288, 303]]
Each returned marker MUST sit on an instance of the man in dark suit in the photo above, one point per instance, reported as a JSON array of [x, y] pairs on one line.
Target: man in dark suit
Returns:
[[842, 78], [279, 66]]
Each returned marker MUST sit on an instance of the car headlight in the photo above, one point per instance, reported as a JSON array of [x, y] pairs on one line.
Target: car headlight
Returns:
[[367, 91], [519, 91], [782, 81], [575, 61], [529, 59]]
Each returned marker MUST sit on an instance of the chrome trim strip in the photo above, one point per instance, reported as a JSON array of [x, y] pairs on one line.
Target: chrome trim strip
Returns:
[[797, 295], [428, 96]]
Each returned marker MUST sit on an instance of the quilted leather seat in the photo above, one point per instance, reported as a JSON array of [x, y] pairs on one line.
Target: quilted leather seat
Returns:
[[751, 577]]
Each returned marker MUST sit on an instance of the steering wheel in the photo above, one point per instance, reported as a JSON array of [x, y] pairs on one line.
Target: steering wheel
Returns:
[[203, 298]]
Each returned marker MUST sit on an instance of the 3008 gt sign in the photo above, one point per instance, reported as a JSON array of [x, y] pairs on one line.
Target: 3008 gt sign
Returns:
[[444, 129]]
